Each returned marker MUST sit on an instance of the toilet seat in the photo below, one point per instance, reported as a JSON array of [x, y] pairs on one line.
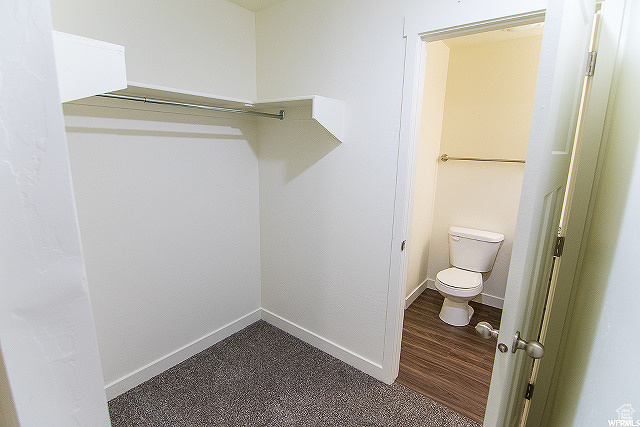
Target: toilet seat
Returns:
[[459, 278], [458, 282]]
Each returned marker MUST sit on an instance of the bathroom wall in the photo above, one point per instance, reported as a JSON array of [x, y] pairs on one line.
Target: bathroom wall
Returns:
[[167, 199], [425, 166], [198, 45], [487, 113]]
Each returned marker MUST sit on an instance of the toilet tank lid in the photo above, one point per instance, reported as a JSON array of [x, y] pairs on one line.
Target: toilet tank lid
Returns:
[[470, 233]]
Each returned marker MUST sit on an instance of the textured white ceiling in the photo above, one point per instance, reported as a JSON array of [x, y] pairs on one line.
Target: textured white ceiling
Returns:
[[255, 5]]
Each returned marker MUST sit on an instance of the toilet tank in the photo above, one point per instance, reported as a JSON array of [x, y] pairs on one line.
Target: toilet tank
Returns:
[[473, 250]]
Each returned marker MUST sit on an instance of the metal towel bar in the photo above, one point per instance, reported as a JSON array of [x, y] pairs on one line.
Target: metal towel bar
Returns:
[[446, 157]]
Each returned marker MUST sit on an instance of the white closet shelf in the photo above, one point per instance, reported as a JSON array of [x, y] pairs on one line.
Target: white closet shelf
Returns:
[[87, 67], [327, 112], [180, 95]]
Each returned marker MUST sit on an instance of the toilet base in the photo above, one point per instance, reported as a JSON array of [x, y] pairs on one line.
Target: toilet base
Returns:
[[456, 313]]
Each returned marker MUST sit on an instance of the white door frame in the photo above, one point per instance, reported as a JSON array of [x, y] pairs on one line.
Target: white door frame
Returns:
[[414, 74], [586, 177]]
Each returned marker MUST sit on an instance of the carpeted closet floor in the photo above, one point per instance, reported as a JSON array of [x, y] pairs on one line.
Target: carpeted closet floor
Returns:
[[262, 376]]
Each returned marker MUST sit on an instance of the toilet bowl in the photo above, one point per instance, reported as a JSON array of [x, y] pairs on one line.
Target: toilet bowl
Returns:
[[458, 287], [471, 253]]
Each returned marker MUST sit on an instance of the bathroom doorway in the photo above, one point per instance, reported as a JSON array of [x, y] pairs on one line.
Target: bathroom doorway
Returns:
[[477, 100]]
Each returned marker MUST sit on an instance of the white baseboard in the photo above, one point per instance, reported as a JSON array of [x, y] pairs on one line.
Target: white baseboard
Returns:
[[160, 365], [416, 293], [337, 351], [485, 299], [490, 300], [367, 366]]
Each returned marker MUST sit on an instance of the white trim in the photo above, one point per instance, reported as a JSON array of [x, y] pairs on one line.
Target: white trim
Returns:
[[485, 299], [160, 365], [490, 300], [484, 26], [416, 293], [413, 78], [365, 365]]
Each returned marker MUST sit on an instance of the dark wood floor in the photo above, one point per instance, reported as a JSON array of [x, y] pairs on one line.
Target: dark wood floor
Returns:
[[449, 364]]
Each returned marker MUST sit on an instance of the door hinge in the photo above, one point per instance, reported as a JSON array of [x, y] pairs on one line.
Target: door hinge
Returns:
[[404, 243], [591, 63], [559, 246], [529, 393]]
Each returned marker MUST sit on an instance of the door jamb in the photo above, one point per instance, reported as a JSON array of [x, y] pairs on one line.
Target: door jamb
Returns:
[[413, 80]]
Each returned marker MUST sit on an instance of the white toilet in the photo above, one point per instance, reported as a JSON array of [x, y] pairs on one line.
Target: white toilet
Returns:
[[471, 252]]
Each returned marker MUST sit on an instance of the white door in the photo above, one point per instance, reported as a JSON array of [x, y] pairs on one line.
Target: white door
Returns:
[[561, 72]]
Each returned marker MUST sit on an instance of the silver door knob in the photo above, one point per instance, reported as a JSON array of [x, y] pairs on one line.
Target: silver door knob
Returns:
[[486, 331], [533, 348]]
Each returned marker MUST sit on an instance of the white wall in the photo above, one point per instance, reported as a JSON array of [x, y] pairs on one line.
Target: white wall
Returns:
[[168, 211], [330, 211], [47, 337], [599, 372], [198, 45], [487, 114], [167, 198], [326, 209], [424, 176]]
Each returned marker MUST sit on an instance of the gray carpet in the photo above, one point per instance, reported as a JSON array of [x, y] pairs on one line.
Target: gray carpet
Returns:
[[262, 376]]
